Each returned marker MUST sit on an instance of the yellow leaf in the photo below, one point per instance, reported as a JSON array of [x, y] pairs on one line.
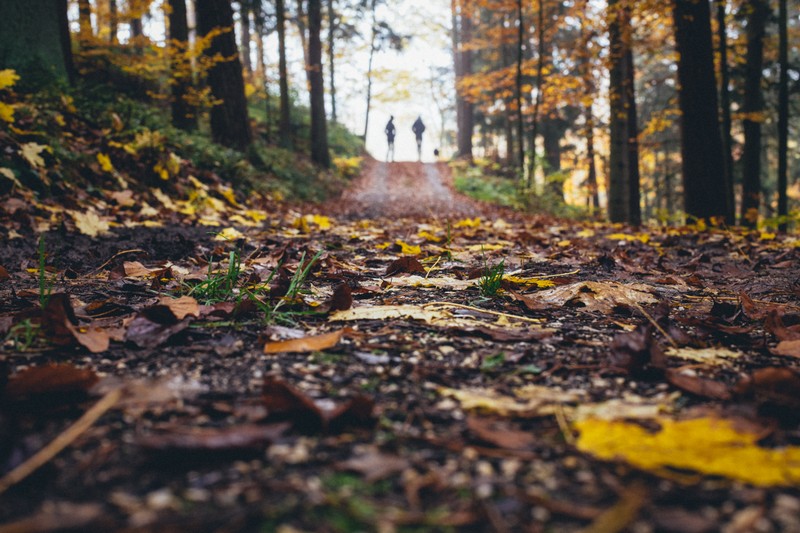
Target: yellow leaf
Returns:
[[8, 173], [585, 234], [89, 223], [707, 445], [59, 118], [229, 234], [710, 356], [229, 195], [530, 401], [105, 162], [6, 112], [468, 223], [257, 216], [641, 237], [249, 90], [767, 236], [8, 77], [540, 283], [408, 249], [31, 151], [428, 236], [322, 222]]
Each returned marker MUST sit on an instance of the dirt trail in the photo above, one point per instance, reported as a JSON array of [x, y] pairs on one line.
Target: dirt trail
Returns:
[[407, 189]]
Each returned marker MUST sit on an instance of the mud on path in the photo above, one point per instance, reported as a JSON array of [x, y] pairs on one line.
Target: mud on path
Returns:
[[403, 190]]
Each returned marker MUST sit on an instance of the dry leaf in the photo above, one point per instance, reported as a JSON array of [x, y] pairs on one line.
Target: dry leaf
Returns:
[[306, 344], [89, 222], [60, 326], [787, 348], [405, 264], [530, 401], [716, 356], [500, 434], [234, 439], [600, 296], [181, 307], [50, 379], [710, 446]]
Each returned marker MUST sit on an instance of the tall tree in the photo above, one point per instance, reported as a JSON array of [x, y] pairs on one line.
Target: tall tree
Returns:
[[244, 36], [701, 140], [373, 47], [85, 32], [319, 129], [230, 125], [183, 114], [462, 59], [725, 105], [623, 190], [539, 88], [783, 111], [758, 10], [284, 123], [518, 78], [35, 41], [332, 24], [113, 21]]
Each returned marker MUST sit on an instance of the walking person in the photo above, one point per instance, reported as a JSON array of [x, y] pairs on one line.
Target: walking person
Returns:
[[418, 128], [390, 132]]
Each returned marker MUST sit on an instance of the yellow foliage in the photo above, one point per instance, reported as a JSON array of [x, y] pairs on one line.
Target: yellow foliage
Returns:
[[347, 166], [428, 236], [31, 152], [105, 162], [707, 445], [8, 77], [408, 249], [468, 223], [540, 283], [249, 90], [229, 234], [6, 112], [641, 237], [767, 236]]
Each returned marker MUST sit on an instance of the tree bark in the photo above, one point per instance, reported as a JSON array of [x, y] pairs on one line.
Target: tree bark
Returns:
[[230, 125], [35, 41], [183, 114], [85, 32], [462, 60], [619, 186], [701, 140], [332, 56], [591, 177], [725, 113], [753, 107], [285, 123], [632, 132], [372, 48], [113, 21], [244, 36], [319, 129], [518, 95], [539, 84], [783, 112]]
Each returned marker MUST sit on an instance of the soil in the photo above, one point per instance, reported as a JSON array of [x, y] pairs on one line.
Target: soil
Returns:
[[215, 432]]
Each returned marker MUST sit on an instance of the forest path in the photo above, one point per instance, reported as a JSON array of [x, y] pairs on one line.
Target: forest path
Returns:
[[403, 190]]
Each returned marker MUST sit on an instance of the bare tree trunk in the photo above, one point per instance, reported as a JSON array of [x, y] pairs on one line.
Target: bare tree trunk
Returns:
[[725, 104], [285, 124], [701, 139], [783, 112], [618, 182], [319, 128], [230, 125], [518, 94], [632, 132], [85, 33], [462, 62], [244, 36], [538, 103], [373, 37], [331, 56], [591, 178], [183, 114], [261, 70], [753, 105], [303, 29]]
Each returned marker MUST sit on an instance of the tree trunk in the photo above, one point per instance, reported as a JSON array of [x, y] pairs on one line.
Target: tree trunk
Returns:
[[230, 125], [85, 32], [319, 129], [35, 41], [552, 131], [373, 37], [302, 28], [518, 95], [783, 112], [261, 70], [462, 61], [331, 56], [113, 21], [725, 113], [183, 114], [591, 178], [701, 140], [619, 200], [539, 84], [632, 133], [752, 108], [244, 37], [285, 123]]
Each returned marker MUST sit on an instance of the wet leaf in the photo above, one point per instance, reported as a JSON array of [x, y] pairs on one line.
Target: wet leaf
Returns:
[[60, 326], [146, 333], [405, 264], [711, 446], [315, 343]]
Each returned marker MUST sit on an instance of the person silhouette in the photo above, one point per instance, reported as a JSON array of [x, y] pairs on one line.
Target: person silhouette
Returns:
[[390, 131], [418, 128]]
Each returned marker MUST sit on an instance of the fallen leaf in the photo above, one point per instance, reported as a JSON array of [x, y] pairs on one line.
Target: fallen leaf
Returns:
[[61, 378], [531, 401], [146, 333], [773, 387], [374, 466], [181, 307], [635, 351], [315, 343], [599, 296], [499, 433], [405, 264], [60, 326], [787, 348], [707, 388], [388, 312], [342, 298], [711, 446], [628, 408], [234, 439], [716, 356], [31, 152], [89, 222]]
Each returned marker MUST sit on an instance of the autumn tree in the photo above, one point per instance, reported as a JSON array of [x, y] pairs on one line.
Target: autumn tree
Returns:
[[701, 141], [623, 189], [725, 105], [34, 40], [319, 129], [783, 111], [284, 122], [462, 60], [757, 12], [183, 113], [230, 125]]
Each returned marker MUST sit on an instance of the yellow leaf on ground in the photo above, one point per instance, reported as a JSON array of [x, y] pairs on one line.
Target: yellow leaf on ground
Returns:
[[134, 269], [641, 237], [408, 249], [306, 344], [439, 283], [707, 445], [31, 152], [602, 296], [6, 112], [8, 173], [529, 402], [530, 282], [468, 223], [229, 234], [105, 162], [388, 312], [8, 77], [89, 222], [711, 356]]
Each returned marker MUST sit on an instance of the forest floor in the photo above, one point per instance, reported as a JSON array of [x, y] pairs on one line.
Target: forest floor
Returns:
[[403, 359]]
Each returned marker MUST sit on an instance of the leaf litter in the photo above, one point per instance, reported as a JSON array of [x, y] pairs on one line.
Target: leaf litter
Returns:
[[437, 406]]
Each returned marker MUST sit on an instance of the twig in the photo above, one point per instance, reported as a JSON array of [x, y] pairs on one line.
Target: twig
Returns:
[[123, 252], [487, 311], [66, 438], [657, 326]]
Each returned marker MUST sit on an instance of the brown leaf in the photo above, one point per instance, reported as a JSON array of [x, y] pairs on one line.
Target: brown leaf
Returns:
[[787, 348], [243, 438], [633, 352], [774, 324], [60, 326], [181, 307], [698, 386], [603, 297], [509, 335], [405, 264], [342, 298], [374, 465], [145, 333], [306, 344], [50, 379], [4, 275], [500, 433], [356, 412], [772, 386]]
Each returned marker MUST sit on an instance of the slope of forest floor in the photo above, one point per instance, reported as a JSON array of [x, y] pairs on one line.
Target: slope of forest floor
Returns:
[[212, 366]]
